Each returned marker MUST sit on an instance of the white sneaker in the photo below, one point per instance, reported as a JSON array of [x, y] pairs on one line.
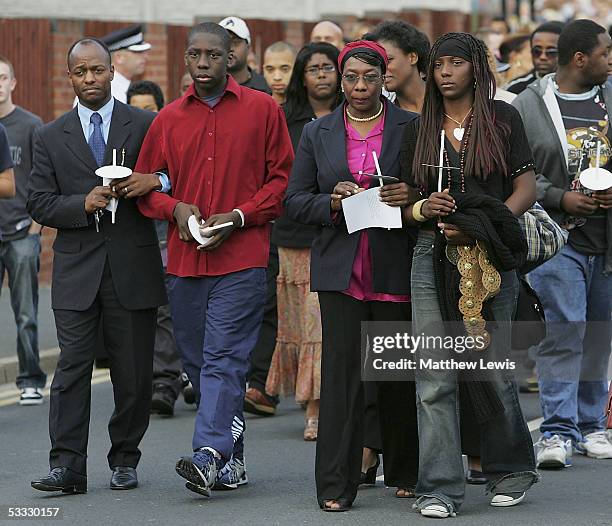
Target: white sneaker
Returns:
[[595, 445], [436, 511], [552, 452], [507, 500], [31, 396]]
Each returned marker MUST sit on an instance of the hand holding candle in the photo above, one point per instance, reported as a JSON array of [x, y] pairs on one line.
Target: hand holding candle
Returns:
[[110, 172], [596, 178], [441, 161]]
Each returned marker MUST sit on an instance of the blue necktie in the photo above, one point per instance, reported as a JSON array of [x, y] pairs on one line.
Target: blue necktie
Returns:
[[96, 141]]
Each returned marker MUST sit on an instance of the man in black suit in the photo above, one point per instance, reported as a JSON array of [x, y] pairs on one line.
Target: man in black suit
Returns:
[[102, 272]]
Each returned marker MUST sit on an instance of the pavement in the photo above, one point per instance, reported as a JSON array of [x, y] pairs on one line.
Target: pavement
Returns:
[[280, 466], [281, 478]]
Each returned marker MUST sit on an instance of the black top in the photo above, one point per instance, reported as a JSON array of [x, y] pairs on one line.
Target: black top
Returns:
[[518, 158], [20, 128], [63, 173], [6, 161], [257, 82], [520, 84], [320, 163], [586, 124], [286, 232]]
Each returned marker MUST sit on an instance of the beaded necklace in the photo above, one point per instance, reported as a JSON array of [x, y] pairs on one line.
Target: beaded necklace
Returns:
[[462, 150]]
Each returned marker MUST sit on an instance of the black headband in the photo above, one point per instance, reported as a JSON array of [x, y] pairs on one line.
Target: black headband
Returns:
[[454, 47], [364, 51]]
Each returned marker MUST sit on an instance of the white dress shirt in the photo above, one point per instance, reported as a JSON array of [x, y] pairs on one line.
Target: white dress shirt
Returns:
[[106, 112], [119, 87]]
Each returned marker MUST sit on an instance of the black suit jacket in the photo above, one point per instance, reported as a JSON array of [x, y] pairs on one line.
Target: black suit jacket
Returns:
[[320, 163], [63, 173]]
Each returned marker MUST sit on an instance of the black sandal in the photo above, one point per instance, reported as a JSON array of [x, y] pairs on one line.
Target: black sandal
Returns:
[[345, 505], [369, 477]]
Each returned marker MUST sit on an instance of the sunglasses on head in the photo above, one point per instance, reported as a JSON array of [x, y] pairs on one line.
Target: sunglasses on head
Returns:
[[550, 52]]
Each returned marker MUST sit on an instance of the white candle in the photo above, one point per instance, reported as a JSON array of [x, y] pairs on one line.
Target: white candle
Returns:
[[113, 200], [441, 162], [597, 156], [377, 166]]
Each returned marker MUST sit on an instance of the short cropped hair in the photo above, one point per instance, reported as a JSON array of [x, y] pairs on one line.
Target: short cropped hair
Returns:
[[578, 36], [146, 87], [280, 47], [549, 27], [4, 60], [88, 41], [406, 37], [212, 29]]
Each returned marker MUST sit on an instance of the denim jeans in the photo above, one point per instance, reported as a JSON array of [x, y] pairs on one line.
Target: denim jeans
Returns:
[[20, 260], [573, 288], [506, 446]]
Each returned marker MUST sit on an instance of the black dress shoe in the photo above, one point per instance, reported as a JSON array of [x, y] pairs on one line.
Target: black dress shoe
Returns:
[[61, 479], [123, 477], [162, 401], [473, 476]]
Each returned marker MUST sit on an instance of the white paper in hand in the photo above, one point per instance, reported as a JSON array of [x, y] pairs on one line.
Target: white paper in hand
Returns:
[[365, 210], [194, 228]]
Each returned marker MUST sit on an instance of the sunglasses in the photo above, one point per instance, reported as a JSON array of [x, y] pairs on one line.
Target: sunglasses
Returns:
[[537, 52]]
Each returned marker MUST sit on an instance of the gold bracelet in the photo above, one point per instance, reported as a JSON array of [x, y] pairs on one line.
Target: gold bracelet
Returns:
[[416, 211]]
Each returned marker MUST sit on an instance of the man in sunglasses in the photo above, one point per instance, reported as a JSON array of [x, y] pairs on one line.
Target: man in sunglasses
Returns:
[[544, 53]]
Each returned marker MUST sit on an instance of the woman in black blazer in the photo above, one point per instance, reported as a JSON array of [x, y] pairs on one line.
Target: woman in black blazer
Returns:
[[364, 276]]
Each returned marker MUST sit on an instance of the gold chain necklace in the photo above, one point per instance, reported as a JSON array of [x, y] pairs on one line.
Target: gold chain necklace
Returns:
[[460, 130], [365, 119]]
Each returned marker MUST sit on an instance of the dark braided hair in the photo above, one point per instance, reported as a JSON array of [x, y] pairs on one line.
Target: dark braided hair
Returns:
[[487, 148]]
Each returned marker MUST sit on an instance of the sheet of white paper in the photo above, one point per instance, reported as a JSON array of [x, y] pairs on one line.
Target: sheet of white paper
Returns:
[[365, 210]]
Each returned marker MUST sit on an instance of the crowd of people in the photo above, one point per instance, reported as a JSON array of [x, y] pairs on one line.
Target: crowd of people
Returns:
[[220, 264]]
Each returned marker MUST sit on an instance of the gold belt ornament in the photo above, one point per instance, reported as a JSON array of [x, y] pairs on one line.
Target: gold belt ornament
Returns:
[[480, 281]]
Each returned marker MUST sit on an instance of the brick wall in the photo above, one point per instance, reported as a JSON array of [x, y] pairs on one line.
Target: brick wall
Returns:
[[53, 95]]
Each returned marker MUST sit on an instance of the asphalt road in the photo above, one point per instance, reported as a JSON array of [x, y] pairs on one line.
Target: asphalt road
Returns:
[[280, 469]]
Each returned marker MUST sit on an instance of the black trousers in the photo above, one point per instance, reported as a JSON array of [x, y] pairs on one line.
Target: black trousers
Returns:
[[167, 365], [129, 337], [342, 413], [261, 356]]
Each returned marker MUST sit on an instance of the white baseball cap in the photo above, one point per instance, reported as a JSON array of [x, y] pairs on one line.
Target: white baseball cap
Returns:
[[238, 27]]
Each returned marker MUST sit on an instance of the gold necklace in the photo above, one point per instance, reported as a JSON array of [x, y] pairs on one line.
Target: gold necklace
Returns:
[[365, 119], [460, 130]]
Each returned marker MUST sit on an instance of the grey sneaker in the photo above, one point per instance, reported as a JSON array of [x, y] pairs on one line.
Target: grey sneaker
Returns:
[[232, 475], [200, 471], [31, 396], [595, 445], [552, 452]]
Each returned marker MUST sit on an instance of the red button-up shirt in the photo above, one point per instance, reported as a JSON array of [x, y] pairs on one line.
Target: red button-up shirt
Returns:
[[237, 154]]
